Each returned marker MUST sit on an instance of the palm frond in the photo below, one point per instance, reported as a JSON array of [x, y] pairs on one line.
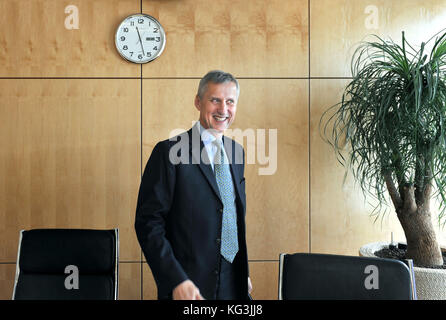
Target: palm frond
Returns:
[[391, 118]]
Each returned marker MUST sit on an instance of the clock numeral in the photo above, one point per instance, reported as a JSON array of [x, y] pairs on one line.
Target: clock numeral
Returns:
[[131, 53], [155, 48], [158, 39], [140, 21], [122, 38], [132, 23], [126, 29], [149, 54], [155, 30], [139, 56], [125, 48]]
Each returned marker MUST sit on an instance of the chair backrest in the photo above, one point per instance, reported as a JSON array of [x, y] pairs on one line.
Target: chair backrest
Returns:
[[325, 276], [67, 264]]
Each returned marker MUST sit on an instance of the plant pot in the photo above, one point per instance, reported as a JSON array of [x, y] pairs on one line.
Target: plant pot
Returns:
[[430, 283]]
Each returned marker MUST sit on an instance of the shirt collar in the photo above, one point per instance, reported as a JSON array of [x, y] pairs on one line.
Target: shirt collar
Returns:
[[206, 136]]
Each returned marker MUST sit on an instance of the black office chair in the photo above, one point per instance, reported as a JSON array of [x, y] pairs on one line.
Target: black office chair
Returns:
[[306, 276], [67, 264]]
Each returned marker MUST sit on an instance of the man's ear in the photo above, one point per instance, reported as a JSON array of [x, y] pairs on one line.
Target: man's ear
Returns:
[[197, 102]]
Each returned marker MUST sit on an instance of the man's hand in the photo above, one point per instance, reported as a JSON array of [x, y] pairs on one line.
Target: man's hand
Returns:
[[186, 290]]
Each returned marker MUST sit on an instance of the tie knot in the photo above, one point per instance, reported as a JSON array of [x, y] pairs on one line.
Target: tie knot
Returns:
[[219, 155], [217, 142]]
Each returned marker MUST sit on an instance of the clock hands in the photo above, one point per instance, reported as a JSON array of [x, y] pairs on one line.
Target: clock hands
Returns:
[[139, 36]]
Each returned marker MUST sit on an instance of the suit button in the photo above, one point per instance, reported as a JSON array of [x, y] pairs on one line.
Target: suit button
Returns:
[[218, 240], [215, 271], [220, 210]]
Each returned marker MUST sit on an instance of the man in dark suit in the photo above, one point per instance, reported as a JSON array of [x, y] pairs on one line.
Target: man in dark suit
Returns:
[[190, 216]]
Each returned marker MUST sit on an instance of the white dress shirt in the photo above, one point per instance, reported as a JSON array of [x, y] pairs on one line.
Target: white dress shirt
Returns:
[[211, 149]]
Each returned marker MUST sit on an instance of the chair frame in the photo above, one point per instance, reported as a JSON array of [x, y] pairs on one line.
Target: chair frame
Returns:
[[281, 259]]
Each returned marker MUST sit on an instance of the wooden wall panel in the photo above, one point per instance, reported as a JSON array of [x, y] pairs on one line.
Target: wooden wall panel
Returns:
[[168, 109], [254, 38], [337, 26], [265, 280], [277, 204], [130, 281], [7, 276], [35, 43], [72, 157]]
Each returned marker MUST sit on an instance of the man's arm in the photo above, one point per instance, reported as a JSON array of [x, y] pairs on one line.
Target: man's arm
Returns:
[[154, 203]]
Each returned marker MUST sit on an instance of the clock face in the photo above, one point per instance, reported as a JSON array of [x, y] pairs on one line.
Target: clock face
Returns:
[[140, 38]]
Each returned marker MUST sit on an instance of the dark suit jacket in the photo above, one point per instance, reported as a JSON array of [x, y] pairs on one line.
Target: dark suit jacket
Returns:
[[179, 215]]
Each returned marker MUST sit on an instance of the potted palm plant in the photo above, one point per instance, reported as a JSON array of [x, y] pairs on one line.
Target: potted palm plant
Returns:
[[389, 131]]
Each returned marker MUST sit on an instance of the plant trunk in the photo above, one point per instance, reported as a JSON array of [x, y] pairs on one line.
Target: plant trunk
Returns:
[[422, 244], [412, 206]]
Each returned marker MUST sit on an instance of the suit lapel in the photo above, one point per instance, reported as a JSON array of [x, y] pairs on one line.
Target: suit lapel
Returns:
[[200, 157]]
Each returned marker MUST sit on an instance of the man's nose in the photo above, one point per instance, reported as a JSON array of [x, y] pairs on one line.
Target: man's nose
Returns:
[[222, 107]]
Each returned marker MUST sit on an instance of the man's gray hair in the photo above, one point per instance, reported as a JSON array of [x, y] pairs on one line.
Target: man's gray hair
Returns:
[[216, 76]]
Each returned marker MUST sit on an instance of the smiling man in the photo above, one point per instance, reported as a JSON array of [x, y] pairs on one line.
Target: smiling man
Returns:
[[190, 216]]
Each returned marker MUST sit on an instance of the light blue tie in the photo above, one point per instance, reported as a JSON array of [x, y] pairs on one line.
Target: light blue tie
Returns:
[[229, 241]]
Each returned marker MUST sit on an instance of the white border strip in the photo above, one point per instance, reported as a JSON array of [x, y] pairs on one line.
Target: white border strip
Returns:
[[17, 267], [116, 262], [281, 260]]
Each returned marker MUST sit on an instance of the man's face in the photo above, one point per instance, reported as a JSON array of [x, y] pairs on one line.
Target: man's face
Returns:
[[217, 106]]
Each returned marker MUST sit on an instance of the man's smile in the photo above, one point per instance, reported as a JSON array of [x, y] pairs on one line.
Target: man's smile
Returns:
[[220, 118]]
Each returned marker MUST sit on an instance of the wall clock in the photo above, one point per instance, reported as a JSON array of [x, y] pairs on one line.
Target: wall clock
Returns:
[[140, 38]]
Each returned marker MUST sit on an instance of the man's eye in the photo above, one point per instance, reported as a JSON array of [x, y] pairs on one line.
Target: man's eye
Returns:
[[214, 100], [230, 102]]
